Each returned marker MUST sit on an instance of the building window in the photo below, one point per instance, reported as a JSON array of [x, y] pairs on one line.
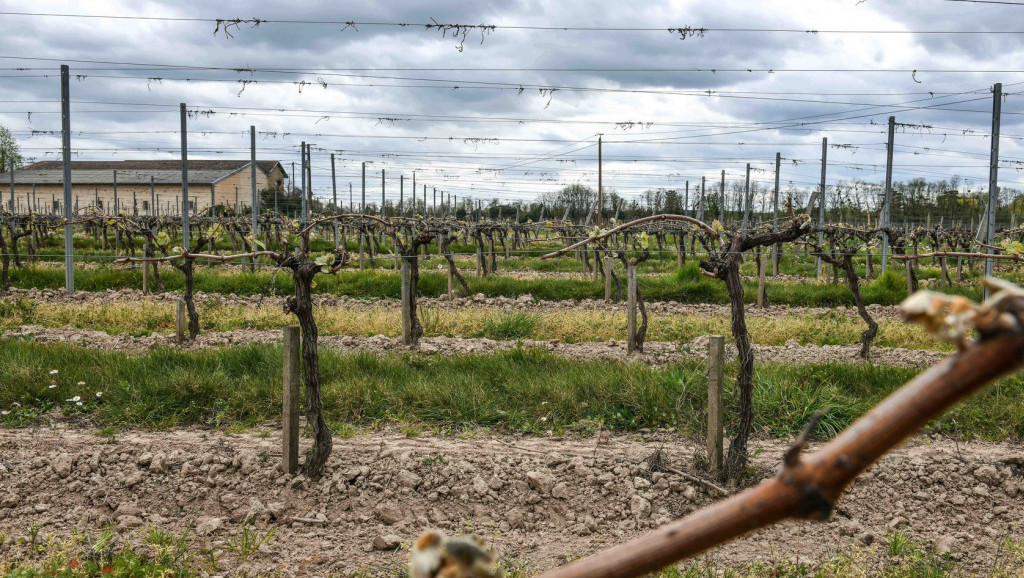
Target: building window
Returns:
[[56, 206], [145, 205], [99, 204]]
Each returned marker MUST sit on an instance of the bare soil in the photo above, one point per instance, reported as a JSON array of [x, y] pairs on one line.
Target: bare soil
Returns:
[[539, 499], [656, 353], [522, 303]]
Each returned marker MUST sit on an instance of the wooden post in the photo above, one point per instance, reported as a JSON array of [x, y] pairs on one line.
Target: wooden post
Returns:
[[406, 303], [290, 421], [761, 266], [716, 359], [480, 264], [451, 284], [608, 279], [180, 325], [362, 258], [145, 278], [631, 310]]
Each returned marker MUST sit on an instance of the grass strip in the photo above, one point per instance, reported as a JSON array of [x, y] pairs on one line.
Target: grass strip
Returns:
[[685, 285], [517, 391]]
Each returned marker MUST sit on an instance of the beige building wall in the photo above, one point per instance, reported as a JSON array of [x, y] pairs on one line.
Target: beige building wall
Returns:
[[241, 182], [168, 197]]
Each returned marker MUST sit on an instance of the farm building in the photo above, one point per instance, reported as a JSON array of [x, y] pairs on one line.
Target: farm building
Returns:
[[145, 187]]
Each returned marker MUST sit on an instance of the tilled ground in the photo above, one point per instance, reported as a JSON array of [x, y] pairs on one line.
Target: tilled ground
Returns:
[[540, 500], [522, 303], [655, 352]]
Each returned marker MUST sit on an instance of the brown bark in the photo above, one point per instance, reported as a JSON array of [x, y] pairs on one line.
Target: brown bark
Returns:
[[5, 264], [725, 265], [446, 241], [301, 305]]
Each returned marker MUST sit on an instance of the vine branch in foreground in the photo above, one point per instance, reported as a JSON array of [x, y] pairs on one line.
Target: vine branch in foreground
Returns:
[[809, 486], [624, 226]]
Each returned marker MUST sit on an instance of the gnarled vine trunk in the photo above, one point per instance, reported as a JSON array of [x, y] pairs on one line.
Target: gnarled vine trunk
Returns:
[[301, 305]]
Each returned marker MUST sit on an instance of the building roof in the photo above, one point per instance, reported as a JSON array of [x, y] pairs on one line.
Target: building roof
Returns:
[[134, 172]]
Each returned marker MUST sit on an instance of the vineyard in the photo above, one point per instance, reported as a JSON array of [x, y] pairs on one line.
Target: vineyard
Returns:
[[672, 289], [507, 378]]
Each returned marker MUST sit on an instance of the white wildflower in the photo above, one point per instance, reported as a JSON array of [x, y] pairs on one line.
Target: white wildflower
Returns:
[[79, 404], [54, 372], [99, 394]]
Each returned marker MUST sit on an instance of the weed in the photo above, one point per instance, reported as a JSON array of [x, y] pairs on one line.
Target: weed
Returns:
[[245, 543], [435, 460]]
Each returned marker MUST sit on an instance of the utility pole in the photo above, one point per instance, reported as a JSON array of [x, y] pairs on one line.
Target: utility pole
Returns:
[[600, 187], [252, 177], [302, 188], [775, 194], [686, 199], [334, 184], [362, 203], [746, 199], [184, 177], [887, 207], [821, 202], [401, 195], [309, 179], [116, 210], [775, 215], [383, 213], [700, 204], [65, 138], [721, 197], [433, 209], [993, 176], [152, 196]]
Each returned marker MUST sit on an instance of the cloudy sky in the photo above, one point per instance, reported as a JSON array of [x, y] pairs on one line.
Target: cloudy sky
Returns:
[[515, 110]]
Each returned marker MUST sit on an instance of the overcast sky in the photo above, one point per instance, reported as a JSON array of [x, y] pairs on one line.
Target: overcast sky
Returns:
[[516, 110]]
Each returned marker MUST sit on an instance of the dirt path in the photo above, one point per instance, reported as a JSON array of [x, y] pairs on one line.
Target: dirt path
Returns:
[[523, 303], [655, 352], [539, 499]]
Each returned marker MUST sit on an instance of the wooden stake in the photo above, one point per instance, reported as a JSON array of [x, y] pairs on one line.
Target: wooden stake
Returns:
[[180, 318], [290, 417], [761, 266], [631, 310], [608, 279], [716, 362], [406, 308]]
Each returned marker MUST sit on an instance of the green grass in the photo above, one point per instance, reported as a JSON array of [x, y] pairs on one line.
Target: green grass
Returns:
[[685, 285], [518, 390], [159, 554]]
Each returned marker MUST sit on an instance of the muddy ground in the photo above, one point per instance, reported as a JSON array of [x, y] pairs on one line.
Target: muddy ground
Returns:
[[539, 500]]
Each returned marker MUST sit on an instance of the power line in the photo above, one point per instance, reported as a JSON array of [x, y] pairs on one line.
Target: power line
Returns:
[[710, 69], [686, 31]]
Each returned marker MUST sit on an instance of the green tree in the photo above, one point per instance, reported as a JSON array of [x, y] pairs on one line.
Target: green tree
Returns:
[[9, 150]]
